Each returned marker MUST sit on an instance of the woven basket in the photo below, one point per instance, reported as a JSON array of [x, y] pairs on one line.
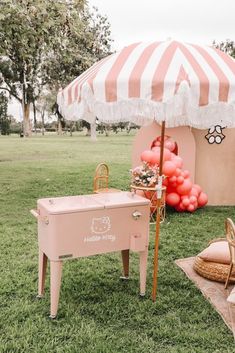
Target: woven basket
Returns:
[[213, 270]]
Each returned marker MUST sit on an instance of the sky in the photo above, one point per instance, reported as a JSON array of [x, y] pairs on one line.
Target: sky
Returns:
[[192, 21]]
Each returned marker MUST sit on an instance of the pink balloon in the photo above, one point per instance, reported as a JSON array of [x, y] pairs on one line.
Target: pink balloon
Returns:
[[178, 161], [170, 145], [146, 156], [184, 188], [202, 199], [168, 168], [197, 187], [194, 192], [193, 199], [180, 179], [155, 159], [186, 201], [186, 174], [190, 208], [172, 199], [177, 172], [166, 153]]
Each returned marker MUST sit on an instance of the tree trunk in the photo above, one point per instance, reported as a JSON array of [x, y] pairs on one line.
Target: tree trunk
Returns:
[[35, 118], [71, 128], [26, 120], [59, 130], [43, 122], [107, 130]]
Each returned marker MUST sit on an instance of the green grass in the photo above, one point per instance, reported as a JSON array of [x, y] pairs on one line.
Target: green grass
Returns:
[[98, 312]]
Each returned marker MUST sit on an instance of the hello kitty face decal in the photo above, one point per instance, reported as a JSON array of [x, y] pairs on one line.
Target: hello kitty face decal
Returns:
[[100, 225], [215, 134]]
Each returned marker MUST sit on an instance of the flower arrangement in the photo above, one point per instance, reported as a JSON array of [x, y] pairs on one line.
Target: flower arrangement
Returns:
[[145, 175]]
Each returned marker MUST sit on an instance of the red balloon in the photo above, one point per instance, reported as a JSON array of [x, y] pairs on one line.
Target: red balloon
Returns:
[[165, 182], [157, 143], [172, 199], [202, 199], [146, 156], [148, 194], [184, 188], [182, 206], [159, 138], [179, 208], [172, 179], [168, 168]]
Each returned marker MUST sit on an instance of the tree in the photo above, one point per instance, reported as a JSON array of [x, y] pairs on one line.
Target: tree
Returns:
[[47, 43], [4, 119], [44, 105], [228, 46]]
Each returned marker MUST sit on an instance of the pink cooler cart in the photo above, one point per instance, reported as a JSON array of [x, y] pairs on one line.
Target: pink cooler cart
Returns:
[[85, 225]]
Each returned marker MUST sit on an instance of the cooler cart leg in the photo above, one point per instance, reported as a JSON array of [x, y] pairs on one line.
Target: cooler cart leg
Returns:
[[143, 271], [56, 273], [42, 266], [125, 261]]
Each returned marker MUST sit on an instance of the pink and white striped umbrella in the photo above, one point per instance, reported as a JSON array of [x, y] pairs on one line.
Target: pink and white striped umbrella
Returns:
[[181, 84]]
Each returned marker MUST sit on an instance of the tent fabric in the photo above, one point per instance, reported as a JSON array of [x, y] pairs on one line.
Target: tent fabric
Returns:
[[181, 84]]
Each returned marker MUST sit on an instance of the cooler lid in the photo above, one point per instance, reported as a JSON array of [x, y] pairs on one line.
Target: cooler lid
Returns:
[[120, 199], [69, 204]]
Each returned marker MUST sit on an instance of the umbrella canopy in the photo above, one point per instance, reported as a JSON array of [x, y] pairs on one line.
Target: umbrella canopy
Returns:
[[181, 84]]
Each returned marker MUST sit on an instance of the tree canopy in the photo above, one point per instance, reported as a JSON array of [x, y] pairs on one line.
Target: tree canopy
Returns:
[[228, 46], [47, 43]]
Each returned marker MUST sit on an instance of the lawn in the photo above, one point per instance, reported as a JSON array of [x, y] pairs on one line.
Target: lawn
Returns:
[[98, 312]]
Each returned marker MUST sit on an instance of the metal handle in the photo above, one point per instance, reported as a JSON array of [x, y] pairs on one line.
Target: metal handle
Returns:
[[136, 215], [35, 213]]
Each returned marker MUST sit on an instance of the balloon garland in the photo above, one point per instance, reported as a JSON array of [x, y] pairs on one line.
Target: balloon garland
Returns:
[[181, 193]]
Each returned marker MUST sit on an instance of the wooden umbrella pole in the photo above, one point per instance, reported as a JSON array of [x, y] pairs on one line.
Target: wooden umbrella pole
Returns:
[[159, 196]]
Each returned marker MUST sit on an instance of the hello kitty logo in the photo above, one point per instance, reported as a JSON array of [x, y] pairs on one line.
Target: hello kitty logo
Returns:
[[100, 225]]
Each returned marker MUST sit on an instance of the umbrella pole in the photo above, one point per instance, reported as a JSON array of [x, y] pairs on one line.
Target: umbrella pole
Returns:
[[159, 196]]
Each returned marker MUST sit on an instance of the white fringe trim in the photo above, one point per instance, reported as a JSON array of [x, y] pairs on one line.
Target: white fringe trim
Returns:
[[177, 111]]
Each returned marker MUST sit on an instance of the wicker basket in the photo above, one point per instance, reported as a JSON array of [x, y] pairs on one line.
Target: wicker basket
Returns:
[[212, 270]]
